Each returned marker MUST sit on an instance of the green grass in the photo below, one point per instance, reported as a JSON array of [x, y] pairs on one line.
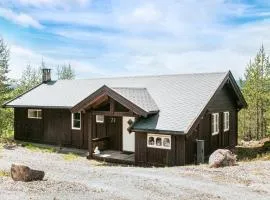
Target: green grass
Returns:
[[70, 156], [35, 147], [253, 153], [4, 173]]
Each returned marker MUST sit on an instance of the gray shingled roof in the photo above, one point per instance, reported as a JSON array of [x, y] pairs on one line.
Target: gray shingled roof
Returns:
[[179, 98], [138, 96]]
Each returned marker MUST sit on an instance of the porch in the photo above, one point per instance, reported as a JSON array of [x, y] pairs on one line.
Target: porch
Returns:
[[107, 116], [115, 157]]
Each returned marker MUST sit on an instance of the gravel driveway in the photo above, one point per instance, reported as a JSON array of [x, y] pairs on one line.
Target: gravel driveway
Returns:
[[83, 179]]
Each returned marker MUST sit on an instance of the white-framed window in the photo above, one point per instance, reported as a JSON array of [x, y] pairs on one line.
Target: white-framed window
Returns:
[[215, 123], [226, 118], [100, 118], [76, 121], [35, 113], [159, 141]]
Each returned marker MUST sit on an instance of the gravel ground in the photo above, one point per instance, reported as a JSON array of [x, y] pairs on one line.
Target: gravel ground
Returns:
[[83, 179]]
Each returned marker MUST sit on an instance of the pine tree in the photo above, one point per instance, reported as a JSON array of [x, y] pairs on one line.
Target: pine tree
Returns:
[[65, 72], [5, 114], [254, 120]]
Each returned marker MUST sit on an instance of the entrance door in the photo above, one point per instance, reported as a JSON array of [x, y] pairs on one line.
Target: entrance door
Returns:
[[128, 138], [114, 131]]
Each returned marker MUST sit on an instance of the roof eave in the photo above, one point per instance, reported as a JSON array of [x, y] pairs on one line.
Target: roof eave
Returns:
[[32, 106], [237, 91], [169, 132], [9, 101]]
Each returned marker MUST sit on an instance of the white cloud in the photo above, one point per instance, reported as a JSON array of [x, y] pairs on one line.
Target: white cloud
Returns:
[[153, 37], [19, 18], [144, 14], [52, 3]]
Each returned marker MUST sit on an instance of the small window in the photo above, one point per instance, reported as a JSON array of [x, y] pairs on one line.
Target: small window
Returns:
[[166, 142], [215, 123], [226, 116], [100, 118], [34, 113], [151, 141], [159, 141], [76, 120]]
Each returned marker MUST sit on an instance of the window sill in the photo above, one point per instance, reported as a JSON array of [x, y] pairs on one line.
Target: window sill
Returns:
[[159, 147], [227, 130], [75, 128], [213, 134], [34, 118]]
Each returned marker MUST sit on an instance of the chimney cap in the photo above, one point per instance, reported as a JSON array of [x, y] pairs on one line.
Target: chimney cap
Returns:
[[46, 75]]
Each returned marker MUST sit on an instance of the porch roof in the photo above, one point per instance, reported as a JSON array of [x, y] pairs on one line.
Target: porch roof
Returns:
[[138, 96], [137, 100]]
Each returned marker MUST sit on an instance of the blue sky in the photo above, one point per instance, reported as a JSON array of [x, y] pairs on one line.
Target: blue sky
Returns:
[[135, 37]]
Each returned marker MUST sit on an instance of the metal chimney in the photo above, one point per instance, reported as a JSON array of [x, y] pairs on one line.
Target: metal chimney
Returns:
[[46, 75]]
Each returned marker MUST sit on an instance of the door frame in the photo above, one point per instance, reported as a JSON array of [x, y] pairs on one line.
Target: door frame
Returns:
[[118, 134]]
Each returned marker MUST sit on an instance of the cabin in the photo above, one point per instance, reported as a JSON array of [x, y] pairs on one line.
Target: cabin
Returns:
[[165, 120]]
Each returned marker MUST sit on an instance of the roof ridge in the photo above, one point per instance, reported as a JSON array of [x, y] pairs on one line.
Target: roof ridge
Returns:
[[135, 88], [148, 76]]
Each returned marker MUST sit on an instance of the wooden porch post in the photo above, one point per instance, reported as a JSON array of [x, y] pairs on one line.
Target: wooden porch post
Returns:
[[90, 128]]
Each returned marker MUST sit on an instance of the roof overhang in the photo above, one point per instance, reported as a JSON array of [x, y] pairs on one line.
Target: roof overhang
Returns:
[[166, 132], [241, 100], [34, 106], [106, 91]]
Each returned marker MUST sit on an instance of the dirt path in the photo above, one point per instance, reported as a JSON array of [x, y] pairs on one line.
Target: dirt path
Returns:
[[83, 179]]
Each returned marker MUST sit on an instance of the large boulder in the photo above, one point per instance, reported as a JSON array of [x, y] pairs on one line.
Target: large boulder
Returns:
[[222, 158], [24, 173]]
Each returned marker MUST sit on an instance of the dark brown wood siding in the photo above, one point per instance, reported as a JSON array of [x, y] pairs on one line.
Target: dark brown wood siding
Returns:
[[222, 101], [26, 128], [85, 130], [111, 128], [57, 126], [53, 128], [159, 157]]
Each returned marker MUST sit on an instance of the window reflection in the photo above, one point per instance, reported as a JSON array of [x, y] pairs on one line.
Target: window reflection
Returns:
[[166, 142], [151, 141], [158, 141]]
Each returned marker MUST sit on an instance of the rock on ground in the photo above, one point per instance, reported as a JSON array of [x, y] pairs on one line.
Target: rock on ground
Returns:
[[222, 158], [24, 173]]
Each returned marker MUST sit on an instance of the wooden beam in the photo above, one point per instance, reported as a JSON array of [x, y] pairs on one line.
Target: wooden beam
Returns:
[[115, 114], [89, 122], [99, 100], [112, 105]]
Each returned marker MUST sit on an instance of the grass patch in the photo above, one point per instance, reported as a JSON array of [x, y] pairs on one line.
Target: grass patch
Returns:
[[35, 147], [258, 152], [264, 156], [4, 173], [6, 140], [70, 156]]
